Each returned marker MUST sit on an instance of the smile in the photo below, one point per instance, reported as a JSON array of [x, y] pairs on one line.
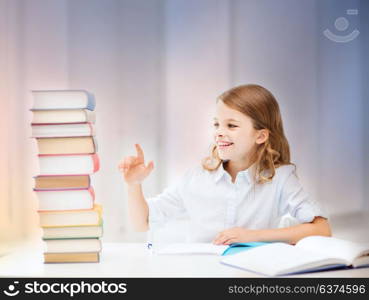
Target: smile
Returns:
[[224, 145]]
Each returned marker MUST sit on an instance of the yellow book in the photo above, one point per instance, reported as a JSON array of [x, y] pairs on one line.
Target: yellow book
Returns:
[[67, 145], [62, 182], [71, 257], [71, 218]]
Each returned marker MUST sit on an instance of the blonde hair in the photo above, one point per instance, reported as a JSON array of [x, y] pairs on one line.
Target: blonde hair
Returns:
[[260, 105]]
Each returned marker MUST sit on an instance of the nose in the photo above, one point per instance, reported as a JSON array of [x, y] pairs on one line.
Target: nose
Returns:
[[219, 132]]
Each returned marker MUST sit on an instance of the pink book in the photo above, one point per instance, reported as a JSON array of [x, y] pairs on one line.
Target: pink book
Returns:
[[68, 164]]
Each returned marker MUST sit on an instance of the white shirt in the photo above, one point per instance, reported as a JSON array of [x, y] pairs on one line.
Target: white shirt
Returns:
[[214, 203]]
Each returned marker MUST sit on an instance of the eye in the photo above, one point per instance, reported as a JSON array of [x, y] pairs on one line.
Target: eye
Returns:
[[232, 126], [216, 124]]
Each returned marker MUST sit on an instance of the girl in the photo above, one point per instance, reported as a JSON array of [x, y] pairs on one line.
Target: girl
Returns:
[[244, 190]]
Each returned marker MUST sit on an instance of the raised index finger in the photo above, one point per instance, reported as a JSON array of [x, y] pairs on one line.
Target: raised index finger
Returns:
[[140, 154]]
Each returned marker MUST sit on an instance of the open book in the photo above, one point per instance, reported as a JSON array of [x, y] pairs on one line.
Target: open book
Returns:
[[312, 253], [206, 248]]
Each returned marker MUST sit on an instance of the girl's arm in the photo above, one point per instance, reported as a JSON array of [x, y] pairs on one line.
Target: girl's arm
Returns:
[[134, 172], [138, 209], [319, 226]]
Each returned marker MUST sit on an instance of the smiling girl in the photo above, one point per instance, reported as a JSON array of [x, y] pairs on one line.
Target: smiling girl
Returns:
[[244, 190]]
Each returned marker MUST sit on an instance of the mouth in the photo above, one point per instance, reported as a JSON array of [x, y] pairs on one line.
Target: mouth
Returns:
[[222, 145]]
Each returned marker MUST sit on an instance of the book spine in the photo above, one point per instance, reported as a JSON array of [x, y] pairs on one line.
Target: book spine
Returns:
[[96, 162], [92, 128], [94, 141], [92, 193], [91, 103], [89, 116]]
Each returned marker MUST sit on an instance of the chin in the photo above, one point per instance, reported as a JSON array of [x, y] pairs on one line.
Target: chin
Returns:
[[224, 157]]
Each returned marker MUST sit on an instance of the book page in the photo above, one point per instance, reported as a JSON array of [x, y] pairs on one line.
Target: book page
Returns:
[[334, 247], [279, 259], [361, 261], [192, 248]]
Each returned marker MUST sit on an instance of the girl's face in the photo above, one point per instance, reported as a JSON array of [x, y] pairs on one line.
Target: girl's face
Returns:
[[234, 134]]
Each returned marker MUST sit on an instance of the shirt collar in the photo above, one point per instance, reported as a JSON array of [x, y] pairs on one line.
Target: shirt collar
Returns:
[[221, 172]]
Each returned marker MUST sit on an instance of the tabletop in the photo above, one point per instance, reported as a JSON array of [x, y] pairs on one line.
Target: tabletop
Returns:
[[129, 260]]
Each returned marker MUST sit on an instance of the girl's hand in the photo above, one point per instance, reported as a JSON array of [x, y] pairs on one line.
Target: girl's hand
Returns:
[[236, 235], [133, 168]]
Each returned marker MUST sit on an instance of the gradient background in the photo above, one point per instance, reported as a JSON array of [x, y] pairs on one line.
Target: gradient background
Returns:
[[155, 68]]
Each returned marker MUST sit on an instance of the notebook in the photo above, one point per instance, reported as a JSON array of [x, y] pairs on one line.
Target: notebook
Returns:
[[206, 248], [313, 253]]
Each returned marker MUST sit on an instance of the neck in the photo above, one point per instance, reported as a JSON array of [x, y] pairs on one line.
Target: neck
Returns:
[[233, 167]]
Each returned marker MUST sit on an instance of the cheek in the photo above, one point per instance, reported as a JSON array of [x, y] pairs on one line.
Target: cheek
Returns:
[[246, 143]]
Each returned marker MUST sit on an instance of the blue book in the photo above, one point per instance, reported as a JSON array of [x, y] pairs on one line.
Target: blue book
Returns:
[[62, 100], [310, 254], [240, 247]]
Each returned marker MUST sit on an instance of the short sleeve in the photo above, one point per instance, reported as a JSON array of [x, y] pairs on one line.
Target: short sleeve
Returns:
[[296, 202], [168, 204]]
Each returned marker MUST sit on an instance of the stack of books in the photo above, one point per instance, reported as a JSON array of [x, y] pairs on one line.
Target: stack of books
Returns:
[[63, 125]]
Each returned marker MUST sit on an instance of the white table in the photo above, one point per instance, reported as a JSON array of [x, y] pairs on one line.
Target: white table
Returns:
[[132, 260]]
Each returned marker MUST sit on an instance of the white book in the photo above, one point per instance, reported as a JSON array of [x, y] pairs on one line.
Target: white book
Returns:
[[191, 248], [68, 164], [62, 99], [63, 130], [72, 232], [312, 253], [63, 116], [73, 218], [71, 199], [72, 245]]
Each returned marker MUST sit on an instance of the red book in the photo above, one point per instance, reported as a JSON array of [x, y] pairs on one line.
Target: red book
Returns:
[[70, 164]]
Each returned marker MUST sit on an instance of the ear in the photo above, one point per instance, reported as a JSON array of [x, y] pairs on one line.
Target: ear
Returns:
[[262, 136]]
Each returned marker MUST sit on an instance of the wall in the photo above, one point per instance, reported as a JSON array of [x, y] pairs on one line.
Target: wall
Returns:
[[156, 67]]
